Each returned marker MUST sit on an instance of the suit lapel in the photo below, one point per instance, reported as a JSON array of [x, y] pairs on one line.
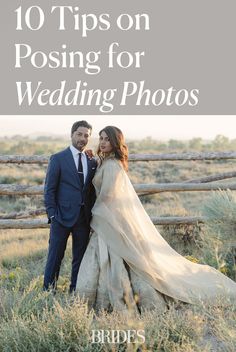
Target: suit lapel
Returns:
[[89, 163], [71, 163]]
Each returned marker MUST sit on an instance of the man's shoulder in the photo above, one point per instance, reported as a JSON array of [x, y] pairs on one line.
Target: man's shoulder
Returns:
[[60, 154]]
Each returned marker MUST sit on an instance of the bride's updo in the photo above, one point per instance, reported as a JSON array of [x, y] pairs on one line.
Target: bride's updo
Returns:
[[119, 148]]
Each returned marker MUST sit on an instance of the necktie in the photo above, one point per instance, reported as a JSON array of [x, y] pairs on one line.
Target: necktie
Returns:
[[80, 170]]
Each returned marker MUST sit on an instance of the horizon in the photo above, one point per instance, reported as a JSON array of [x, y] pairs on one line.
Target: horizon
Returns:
[[36, 137], [161, 128]]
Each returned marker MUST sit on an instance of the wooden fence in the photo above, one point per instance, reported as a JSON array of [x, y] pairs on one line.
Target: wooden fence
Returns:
[[23, 220]]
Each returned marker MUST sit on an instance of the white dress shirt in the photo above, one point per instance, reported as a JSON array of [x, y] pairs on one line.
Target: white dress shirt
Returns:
[[75, 152]]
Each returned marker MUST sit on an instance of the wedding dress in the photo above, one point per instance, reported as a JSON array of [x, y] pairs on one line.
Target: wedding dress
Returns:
[[128, 263]]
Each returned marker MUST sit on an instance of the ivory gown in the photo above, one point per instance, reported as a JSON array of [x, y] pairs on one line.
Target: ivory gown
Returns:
[[128, 263]]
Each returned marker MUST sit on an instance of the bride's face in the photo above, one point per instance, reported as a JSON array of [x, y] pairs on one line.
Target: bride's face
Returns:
[[104, 143]]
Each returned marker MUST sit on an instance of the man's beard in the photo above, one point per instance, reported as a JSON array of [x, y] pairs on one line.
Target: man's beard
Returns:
[[80, 146]]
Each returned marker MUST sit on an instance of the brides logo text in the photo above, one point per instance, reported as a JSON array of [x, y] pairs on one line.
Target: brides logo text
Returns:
[[118, 336]]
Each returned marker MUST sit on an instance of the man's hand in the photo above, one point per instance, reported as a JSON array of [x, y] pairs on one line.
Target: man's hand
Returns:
[[50, 220]]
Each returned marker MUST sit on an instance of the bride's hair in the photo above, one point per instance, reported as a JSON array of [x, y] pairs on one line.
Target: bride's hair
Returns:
[[119, 148]]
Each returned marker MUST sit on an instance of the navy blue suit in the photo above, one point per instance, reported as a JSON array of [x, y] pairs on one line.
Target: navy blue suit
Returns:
[[70, 204]]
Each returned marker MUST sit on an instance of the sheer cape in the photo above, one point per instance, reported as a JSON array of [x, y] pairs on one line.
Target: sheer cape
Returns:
[[124, 229]]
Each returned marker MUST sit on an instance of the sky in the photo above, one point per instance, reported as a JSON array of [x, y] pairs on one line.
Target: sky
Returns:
[[133, 127]]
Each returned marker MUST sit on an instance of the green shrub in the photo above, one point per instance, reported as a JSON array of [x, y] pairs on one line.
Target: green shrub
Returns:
[[220, 237]]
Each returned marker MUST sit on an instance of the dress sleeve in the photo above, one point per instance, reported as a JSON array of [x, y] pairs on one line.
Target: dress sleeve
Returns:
[[112, 181]]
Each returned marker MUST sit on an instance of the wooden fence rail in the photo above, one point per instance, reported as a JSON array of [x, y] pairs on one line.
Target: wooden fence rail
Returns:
[[22, 190], [24, 214], [20, 221], [42, 223], [43, 159], [213, 178]]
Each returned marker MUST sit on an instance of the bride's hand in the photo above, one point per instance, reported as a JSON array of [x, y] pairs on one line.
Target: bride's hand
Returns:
[[89, 153]]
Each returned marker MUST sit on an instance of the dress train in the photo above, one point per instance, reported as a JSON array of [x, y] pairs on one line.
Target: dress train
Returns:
[[128, 262]]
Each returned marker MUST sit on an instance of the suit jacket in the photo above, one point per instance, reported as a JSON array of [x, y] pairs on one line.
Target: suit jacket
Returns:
[[63, 192]]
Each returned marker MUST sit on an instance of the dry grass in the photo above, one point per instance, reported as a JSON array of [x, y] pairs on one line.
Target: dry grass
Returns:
[[32, 320]]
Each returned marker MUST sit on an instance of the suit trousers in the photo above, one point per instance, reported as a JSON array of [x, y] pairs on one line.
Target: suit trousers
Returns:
[[59, 235]]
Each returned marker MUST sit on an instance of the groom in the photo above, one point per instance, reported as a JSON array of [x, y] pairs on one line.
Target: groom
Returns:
[[69, 196]]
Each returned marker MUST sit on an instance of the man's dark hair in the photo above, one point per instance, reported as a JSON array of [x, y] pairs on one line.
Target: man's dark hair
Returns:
[[78, 124]]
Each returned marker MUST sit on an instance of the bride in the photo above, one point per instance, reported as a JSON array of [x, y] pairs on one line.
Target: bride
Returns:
[[127, 263]]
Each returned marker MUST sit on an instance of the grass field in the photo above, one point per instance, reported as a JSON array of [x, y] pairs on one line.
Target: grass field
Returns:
[[32, 320]]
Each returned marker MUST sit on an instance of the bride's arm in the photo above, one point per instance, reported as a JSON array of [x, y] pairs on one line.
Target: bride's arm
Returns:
[[112, 181]]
